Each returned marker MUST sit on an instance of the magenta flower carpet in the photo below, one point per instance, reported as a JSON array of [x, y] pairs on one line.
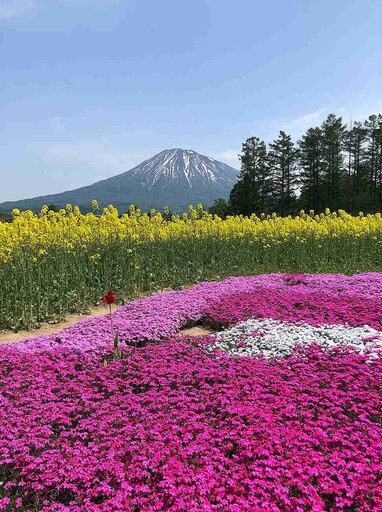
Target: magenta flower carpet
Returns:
[[279, 410]]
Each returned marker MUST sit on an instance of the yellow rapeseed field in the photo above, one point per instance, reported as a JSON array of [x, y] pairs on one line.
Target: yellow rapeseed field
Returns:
[[72, 231], [52, 263]]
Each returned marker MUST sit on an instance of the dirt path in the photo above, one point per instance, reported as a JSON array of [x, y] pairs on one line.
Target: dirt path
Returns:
[[9, 336], [46, 328], [195, 331]]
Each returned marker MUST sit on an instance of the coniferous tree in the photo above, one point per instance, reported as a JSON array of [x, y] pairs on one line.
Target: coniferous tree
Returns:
[[221, 207], [282, 159], [311, 169], [334, 166], [239, 200], [333, 138], [356, 175], [379, 163], [373, 126], [252, 191]]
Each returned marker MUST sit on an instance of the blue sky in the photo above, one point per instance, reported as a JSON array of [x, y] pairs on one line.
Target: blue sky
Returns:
[[90, 88]]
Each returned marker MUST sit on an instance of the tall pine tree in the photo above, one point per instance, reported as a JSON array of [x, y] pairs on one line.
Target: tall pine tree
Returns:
[[379, 162], [356, 172], [282, 158], [333, 166], [311, 169], [251, 193], [333, 139], [373, 126]]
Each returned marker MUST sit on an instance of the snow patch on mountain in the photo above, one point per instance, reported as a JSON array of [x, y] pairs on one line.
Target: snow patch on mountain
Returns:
[[173, 177], [184, 166]]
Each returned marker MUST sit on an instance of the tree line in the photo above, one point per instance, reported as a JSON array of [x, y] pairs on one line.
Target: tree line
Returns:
[[334, 166]]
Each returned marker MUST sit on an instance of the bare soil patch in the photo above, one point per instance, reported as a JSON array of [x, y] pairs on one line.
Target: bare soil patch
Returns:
[[95, 311], [9, 336], [197, 330]]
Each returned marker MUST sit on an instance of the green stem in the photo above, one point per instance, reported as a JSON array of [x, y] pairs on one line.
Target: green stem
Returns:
[[111, 321]]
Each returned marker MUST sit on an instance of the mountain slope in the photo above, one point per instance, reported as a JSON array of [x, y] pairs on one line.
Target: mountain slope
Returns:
[[173, 177]]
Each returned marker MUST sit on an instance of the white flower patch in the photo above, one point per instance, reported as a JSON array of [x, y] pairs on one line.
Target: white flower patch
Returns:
[[272, 338]]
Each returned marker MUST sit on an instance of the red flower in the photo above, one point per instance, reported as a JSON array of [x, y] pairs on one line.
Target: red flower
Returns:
[[109, 297]]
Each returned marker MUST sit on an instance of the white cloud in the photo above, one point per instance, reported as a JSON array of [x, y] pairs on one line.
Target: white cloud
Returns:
[[57, 124], [296, 127], [10, 9], [359, 113], [92, 4], [230, 157]]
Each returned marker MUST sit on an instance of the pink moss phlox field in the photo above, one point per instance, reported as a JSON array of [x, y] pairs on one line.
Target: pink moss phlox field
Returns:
[[317, 299], [175, 427], [171, 428], [315, 308]]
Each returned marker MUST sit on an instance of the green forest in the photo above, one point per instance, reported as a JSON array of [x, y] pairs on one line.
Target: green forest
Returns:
[[335, 166]]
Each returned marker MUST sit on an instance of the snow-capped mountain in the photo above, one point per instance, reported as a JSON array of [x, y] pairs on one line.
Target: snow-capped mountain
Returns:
[[185, 167], [173, 177]]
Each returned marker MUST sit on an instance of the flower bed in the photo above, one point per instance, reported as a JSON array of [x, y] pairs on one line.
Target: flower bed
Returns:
[[317, 299], [173, 429], [296, 305], [176, 427], [271, 338]]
